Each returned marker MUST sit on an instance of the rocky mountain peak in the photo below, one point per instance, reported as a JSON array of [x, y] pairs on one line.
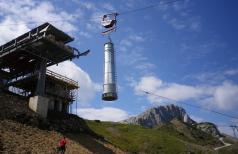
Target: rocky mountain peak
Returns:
[[159, 115], [166, 114]]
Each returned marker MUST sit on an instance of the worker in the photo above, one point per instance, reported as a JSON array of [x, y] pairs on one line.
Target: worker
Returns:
[[62, 145]]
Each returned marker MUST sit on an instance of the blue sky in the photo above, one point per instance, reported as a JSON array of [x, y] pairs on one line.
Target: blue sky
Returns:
[[186, 51]]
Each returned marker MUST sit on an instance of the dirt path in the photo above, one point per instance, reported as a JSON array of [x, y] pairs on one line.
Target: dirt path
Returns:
[[225, 144]]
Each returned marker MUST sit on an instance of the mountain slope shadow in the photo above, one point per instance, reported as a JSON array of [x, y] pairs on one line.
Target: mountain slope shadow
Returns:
[[75, 128]]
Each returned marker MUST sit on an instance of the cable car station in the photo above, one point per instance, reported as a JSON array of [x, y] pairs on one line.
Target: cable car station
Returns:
[[23, 69]]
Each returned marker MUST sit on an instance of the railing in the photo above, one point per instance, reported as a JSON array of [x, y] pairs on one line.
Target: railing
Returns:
[[70, 95], [61, 77]]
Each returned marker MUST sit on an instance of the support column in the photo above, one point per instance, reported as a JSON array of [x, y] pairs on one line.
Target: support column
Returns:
[[60, 106], [39, 103], [40, 88], [1, 83]]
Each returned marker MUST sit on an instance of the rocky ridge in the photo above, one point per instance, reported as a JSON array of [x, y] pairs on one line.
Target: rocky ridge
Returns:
[[160, 115], [209, 128], [165, 114]]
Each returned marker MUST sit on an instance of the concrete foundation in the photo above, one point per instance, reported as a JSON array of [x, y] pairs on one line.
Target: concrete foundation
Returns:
[[39, 104]]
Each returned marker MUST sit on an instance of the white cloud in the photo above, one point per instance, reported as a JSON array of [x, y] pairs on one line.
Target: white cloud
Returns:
[[196, 118], [199, 50], [215, 77], [179, 16], [14, 29], [136, 38], [95, 23], [108, 6], [149, 83], [195, 26], [88, 5], [223, 96], [145, 66], [227, 130], [231, 72], [103, 114], [171, 90], [85, 34], [87, 88], [17, 17], [177, 24], [132, 40], [132, 54]]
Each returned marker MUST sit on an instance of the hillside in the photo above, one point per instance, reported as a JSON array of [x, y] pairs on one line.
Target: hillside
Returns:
[[233, 149], [19, 138], [170, 138], [23, 131], [209, 128]]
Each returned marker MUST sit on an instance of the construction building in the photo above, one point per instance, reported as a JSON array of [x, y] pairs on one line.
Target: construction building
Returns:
[[23, 69]]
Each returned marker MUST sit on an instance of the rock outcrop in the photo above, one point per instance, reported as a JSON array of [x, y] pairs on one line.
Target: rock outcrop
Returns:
[[160, 115], [209, 128], [165, 114]]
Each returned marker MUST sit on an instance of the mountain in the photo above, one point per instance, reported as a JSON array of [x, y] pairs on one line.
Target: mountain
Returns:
[[165, 114], [160, 115]]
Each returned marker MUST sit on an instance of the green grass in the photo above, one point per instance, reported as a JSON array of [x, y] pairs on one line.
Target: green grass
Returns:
[[135, 139], [196, 136]]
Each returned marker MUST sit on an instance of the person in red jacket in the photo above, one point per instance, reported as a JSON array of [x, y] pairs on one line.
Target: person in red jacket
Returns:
[[62, 145]]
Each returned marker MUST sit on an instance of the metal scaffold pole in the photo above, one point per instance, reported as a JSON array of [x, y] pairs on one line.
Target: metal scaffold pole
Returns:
[[76, 102]]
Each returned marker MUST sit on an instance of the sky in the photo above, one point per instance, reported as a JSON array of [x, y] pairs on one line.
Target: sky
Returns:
[[187, 51]]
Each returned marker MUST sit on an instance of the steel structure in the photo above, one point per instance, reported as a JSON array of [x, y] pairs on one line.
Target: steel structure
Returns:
[[24, 61], [44, 43]]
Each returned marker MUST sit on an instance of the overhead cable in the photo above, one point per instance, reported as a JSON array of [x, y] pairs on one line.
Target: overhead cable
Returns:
[[98, 17], [191, 105]]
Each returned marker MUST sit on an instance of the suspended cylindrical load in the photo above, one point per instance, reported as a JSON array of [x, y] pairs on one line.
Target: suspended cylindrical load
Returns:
[[109, 86]]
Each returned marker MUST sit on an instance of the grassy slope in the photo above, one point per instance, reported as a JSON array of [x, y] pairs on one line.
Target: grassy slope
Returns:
[[136, 139], [233, 149], [22, 133]]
